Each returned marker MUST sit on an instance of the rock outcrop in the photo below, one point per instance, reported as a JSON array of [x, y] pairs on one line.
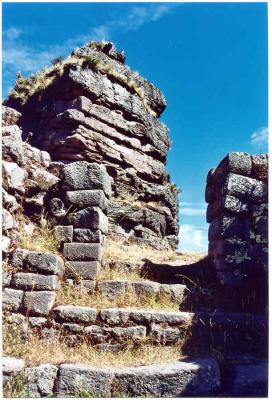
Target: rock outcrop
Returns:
[[96, 109]]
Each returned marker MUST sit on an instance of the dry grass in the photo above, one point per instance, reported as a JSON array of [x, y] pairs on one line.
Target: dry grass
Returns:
[[110, 274], [35, 351], [42, 238], [68, 295], [125, 251], [16, 387], [24, 87]]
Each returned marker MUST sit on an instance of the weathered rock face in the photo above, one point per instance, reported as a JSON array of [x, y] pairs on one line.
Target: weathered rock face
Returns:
[[101, 111], [237, 194]]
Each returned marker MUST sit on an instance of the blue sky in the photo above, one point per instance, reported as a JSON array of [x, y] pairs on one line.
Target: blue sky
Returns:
[[209, 59]]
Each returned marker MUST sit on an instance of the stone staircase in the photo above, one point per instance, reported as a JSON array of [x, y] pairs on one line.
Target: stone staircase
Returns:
[[219, 349]]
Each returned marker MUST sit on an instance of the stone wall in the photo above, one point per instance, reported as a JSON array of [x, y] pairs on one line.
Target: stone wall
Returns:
[[98, 110], [237, 193]]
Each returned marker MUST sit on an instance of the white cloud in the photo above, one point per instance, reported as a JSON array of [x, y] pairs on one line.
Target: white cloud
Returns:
[[192, 211], [259, 138], [192, 238]]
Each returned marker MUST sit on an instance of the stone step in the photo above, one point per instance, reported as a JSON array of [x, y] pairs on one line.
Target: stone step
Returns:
[[195, 377], [113, 288], [197, 333]]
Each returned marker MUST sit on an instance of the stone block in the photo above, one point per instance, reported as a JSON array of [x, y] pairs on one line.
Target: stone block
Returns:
[[12, 299], [131, 333], [35, 261], [75, 379], [226, 204], [245, 188], [164, 335], [12, 366], [30, 281], [83, 251], [13, 177], [40, 380], [83, 269], [260, 166], [145, 288], [75, 314], [72, 328], [63, 234], [229, 227], [6, 279], [237, 162], [87, 285], [97, 334], [82, 175], [113, 289], [178, 379], [12, 148], [90, 218], [115, 316], [39, 303], [87, 198], [175, 292], [160, 317], [9, 201], [88, 236], [229, 248]]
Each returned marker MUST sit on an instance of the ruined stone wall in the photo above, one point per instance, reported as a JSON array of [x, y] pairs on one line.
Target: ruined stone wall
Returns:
[[237, 193], [98, 110]]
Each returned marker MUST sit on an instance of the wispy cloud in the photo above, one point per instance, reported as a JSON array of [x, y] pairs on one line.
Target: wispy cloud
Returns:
[[192, 209], [259, 138], [193, 238], [19, 56]]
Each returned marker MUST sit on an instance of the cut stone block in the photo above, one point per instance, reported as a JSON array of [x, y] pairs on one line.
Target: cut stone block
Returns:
[[40, 380], [29, 281], [90, 218], [72, 328], [82, 175], [131, 333], [115, 316], [87, 198], [228, 227], [75, 313], [113, 289], [226, 204], [260, 166], [175, 292], [64, 234], [236, 162], [75, 378], [245, 188], [12, 366], [39, 303], [143, 288], [177, 379], [164, 336], [83, 269], [12, 148], [12, 299], [35, 261], [87, 285], [160, 317], [83, 251], [88, 236]]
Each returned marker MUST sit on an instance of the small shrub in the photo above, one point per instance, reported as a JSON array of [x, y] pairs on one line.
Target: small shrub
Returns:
[[90, 62]]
